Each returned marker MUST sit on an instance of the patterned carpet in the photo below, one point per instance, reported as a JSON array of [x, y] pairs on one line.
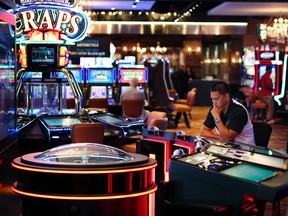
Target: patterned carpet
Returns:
[[278, 141]]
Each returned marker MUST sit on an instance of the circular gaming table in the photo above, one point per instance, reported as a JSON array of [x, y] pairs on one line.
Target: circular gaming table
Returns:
[[85, 179]]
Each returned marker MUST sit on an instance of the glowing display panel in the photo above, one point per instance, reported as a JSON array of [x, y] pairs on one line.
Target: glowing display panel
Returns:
[[61, 121], [42, 54], [250, 172], [98, 92], [101, 75], [262, 70], [127, 73]]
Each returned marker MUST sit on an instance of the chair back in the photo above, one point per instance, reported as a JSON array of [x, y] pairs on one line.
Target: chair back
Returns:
[[191, 97], [101, 103], [155, 115], [132, 107], [70, 103], [87, 132], [160, 123], [262, 133]]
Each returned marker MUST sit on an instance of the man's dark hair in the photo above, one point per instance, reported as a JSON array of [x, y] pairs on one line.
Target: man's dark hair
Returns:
[[221, 87]]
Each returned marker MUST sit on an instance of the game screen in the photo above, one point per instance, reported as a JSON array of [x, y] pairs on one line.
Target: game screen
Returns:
[[69, 92], [42, 54], [127, 73], [101, 75], [250, 172], [60, 121], [140, 88], [98, 92], [110, 119], [78, 74], [33, 75], [262, 70], [131, 59]]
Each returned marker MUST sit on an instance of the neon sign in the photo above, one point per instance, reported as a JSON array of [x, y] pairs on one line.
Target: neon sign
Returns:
[[69, 23], [54, 2]]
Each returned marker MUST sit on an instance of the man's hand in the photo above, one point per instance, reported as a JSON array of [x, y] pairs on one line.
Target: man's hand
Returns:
[[216, 111]]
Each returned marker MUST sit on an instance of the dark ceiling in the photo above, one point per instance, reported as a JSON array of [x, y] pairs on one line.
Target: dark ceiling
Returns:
[[198, 13]]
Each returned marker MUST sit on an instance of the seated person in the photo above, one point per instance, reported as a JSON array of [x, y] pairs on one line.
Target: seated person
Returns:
[[228, 117], [133, 92]]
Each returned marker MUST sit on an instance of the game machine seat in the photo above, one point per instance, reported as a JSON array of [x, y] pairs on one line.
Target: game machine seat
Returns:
[[87, 133], [132, 107], [238, 177], [98, 104]]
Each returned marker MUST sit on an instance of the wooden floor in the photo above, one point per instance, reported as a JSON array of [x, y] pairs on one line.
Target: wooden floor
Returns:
[[278, 141]]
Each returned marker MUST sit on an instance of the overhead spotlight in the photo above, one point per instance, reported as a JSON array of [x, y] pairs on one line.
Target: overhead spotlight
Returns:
[[134, 5]]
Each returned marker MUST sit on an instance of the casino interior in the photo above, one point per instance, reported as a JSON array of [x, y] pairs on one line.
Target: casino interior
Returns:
[[63, 67]]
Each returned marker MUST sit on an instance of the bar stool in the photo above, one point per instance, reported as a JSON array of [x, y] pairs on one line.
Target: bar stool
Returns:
[[185, 107]]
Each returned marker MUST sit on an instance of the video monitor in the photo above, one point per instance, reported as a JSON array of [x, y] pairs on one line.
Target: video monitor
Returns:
[[131, 59], [127, 73], [109, 119], [249, 58], [250, 172], [101, 75], [262, 71], [140, 88], [69, 92], [33, 75], [124, 88], [98, 92], [59, 75], [42, 55], [60, 121], [78, 74]]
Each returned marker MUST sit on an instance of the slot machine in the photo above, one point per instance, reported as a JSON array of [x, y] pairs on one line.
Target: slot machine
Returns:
[[248, 68], [159, 83], [79, 74], [43, 79], [101, 83], [263, 59], [138, 71]]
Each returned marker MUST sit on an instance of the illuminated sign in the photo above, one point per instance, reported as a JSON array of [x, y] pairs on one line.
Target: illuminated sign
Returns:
[[54, 2], [41, 22], [267, 55], [140, 73]]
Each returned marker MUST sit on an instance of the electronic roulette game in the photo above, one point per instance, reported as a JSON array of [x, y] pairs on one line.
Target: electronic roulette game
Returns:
[[85, 179]]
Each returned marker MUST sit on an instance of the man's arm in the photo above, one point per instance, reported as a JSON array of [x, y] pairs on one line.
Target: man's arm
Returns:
[[226, 133], [207, 132]]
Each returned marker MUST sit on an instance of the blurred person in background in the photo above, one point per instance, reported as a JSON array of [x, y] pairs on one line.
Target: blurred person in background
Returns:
[[267, 91]]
